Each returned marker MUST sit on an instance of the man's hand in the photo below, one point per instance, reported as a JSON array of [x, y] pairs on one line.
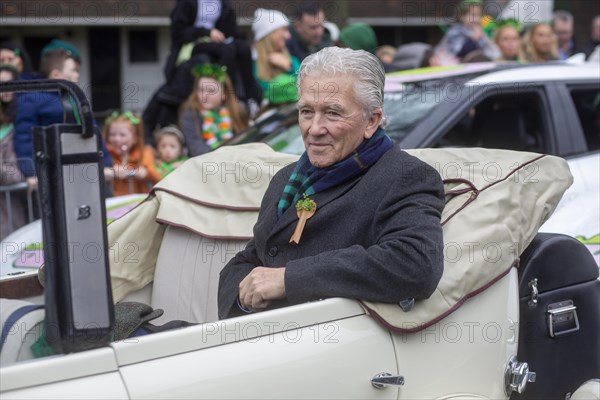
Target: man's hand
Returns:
[[217, 36], [32, 183], [261, 286]]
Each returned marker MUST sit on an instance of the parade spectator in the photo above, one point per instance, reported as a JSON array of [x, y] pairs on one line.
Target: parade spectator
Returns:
[[211, 115], [413, 55], [508, 40], [386, 54], [275, 67], [308, 33], [15, 55], [358, 36], [60, 60], [170, 146], [133, 169], [594, 41], [466, 36], [562, 24], [209, 27], [9, 171], [539, 44]]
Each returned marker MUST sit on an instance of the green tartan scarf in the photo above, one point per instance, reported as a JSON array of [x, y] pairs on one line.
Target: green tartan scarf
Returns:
[[308, 179]]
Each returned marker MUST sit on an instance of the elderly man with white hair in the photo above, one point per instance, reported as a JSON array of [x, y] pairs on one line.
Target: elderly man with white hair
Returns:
[[355, 217]]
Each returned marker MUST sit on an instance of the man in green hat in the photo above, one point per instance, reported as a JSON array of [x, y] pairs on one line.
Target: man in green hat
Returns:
[[359, 36], [68, 48], [60, 60]]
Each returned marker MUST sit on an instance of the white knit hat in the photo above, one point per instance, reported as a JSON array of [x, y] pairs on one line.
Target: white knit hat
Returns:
[[267, 21]]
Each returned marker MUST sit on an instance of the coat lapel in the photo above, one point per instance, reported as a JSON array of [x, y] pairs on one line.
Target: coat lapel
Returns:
[[322, 199]]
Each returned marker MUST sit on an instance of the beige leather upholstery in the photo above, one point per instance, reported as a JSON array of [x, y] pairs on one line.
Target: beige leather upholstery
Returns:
[[187, 275], [26, 331]]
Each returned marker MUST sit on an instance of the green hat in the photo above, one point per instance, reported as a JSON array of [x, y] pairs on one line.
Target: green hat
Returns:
[[57, 44], [359, 36], [282, 89]]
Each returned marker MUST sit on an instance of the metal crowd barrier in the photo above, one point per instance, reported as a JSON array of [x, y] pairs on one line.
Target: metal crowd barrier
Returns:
[[8, 190]]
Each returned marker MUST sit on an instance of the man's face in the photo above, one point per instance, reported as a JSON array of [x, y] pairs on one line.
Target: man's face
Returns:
[[563, 30], [70, 71], [310, 28], [9, 57], [331, 120]]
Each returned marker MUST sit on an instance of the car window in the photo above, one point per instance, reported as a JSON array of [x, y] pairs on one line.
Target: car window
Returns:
[[587, 103], [289, 141], [512, 121]]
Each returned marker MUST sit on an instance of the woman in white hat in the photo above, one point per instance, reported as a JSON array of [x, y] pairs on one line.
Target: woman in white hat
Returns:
[[274, 68]]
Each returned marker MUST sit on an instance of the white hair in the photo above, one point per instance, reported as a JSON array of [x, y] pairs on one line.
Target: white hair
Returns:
[[364, 66]]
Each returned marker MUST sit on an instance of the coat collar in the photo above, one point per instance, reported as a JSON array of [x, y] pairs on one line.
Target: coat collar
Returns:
[[322, 199]]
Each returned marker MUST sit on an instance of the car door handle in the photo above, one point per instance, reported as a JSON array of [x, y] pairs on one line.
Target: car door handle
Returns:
[[385, 379]]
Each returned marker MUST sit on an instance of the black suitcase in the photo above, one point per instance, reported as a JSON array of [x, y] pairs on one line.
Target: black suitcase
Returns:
[[559, 323], [77, 298]]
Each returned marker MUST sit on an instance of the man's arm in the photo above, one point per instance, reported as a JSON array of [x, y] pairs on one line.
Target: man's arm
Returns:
[[245, 263], [231, 276], [183, 17], [25, 120]]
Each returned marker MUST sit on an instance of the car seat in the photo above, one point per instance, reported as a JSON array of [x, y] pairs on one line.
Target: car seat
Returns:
[[186, 278]]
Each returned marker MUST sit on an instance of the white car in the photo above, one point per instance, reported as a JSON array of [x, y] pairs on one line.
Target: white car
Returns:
[[495, 337]]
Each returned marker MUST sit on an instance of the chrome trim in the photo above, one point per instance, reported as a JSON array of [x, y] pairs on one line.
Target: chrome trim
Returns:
[[533, 292], [560, 313], [517, 376], [385, 379]]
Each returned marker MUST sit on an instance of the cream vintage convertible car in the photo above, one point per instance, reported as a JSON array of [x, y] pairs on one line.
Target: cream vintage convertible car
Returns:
[[516, 313]]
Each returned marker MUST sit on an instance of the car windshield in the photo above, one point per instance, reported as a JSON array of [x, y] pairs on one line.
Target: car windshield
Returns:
[[406, 108]]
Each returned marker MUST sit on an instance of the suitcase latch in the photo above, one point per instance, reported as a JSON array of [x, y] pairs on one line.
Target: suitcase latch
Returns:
[[562, 318], [533, 292]]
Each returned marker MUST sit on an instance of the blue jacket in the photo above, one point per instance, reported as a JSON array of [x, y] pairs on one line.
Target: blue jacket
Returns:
[[38, 109]]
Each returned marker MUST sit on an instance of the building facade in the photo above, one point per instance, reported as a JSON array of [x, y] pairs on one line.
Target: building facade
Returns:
[[124, 44]]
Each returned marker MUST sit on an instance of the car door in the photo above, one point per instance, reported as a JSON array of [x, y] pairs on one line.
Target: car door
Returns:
[[325, 349], [580, 105], [88, 374]]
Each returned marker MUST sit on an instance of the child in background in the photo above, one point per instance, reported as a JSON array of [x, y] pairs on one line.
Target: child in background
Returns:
[[170, 146], [133, 166], [211, 115], [467, 36]]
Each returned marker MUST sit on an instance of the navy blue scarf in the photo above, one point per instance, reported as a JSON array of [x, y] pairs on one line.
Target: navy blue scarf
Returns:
[[309, 179]]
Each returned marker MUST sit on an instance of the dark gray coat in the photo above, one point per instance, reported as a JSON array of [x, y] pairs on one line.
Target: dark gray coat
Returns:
[[377, 237]]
